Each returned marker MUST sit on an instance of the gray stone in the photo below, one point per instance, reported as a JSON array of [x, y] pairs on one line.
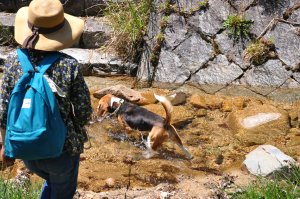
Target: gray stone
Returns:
[[153, 28], [265, 11], [188, 6], [259, 17], [7, 19], [242, 5], [194, 53], [176, 31], [232, 50], [218, 72], [93, 62], [177, 98], [94, 7], [284, 95], [170, 69], [211, 21], [295, 16], [96, 32], [266, 159], [145, 70], [296, 76], [287, 43], [238, 90], [274, 8], [272, 73], [290, 83]]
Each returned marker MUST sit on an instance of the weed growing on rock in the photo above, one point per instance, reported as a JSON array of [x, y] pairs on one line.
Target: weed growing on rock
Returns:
[[258, 51], [129, 21], [238, 26], [202, 5]]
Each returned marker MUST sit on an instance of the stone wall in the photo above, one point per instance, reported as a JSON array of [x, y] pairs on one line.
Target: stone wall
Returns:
[[74, 7], [198, 50]]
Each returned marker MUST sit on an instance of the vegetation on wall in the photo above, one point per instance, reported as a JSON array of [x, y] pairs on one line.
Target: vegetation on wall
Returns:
[[238, 26], [129, 21], [202, 5], [258, 51]]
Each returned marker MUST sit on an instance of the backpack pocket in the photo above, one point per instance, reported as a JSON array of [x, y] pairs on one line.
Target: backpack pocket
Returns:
[[29, 145]]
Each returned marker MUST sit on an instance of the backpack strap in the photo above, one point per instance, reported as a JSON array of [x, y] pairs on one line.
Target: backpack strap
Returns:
[[44, 64], [24, 60], [48, 61]]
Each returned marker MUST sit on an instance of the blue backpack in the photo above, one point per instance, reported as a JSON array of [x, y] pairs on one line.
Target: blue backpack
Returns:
[[35, 129]]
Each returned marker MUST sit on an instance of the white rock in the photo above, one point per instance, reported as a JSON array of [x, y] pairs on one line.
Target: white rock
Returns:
[[165, 195], [258, 119], [266, 159]]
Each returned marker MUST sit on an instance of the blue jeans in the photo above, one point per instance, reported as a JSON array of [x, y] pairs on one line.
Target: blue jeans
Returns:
[[60, 175]]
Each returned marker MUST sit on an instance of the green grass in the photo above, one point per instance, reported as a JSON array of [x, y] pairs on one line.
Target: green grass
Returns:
[[238, 26], [129, 21], [9, 190], [285, 185]]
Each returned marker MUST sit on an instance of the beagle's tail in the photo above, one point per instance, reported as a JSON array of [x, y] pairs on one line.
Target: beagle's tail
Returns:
[[167, 106]]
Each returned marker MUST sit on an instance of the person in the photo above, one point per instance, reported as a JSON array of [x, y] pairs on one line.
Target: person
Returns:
[[42, 28]]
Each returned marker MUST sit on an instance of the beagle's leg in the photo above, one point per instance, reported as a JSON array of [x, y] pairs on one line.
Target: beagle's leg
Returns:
[[175, 138], [155, 139], [124, 124]]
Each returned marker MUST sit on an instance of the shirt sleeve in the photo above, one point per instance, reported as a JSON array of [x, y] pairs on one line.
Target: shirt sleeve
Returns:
[[80, 98], [8, 82]]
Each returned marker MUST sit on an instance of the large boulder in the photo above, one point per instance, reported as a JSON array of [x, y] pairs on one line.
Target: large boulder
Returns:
[[124, 93], [259, 124]]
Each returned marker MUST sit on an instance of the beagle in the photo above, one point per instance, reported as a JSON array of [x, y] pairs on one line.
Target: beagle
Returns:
[[133, 117]]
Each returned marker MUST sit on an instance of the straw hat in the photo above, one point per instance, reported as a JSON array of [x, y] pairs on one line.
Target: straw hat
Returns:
[[43, 25]]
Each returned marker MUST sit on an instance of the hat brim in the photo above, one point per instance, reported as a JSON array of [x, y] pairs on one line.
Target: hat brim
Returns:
[[61, 39]]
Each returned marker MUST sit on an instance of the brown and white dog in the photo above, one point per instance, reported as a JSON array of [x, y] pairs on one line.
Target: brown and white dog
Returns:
[[133, 117]]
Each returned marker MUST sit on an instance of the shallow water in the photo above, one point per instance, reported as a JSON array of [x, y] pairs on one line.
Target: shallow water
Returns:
[[120, 156]]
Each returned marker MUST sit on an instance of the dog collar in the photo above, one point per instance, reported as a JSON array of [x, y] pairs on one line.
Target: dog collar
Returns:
[[117, 100]]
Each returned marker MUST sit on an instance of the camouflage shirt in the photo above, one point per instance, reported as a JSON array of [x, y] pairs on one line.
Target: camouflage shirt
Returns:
[[66, 74]]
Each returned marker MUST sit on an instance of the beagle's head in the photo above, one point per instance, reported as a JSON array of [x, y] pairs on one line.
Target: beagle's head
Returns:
[[108, 104]]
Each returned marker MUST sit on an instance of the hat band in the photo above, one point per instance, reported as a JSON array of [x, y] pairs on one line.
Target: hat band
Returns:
[[31, 40]]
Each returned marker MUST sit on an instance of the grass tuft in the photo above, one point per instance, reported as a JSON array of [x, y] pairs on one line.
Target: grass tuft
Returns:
[[129, 21], [284, 185], [258, 51], [238, 26], [16, 189]]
